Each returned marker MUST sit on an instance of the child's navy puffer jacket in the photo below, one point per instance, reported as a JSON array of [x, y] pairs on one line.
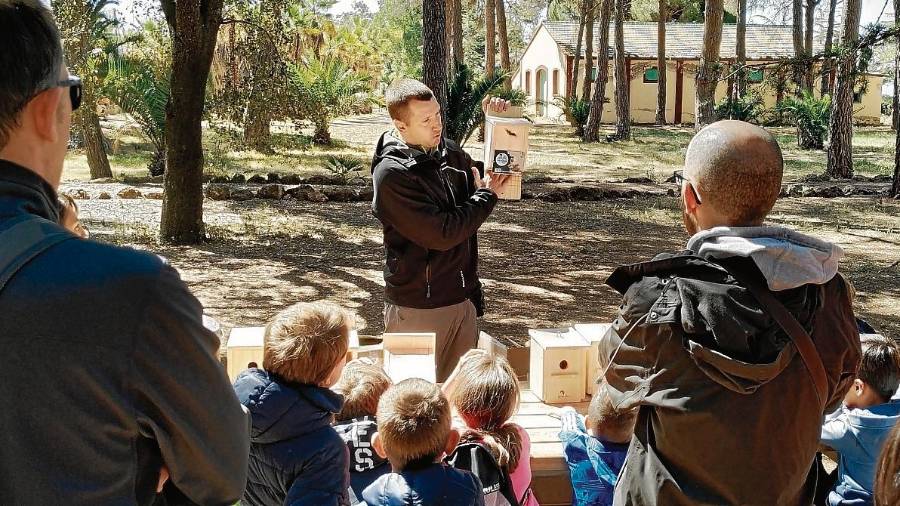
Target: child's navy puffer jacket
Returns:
[[296, 457]]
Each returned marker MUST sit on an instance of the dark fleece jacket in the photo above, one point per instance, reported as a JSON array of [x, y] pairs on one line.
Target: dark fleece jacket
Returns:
[[430, 212], [296, 457]]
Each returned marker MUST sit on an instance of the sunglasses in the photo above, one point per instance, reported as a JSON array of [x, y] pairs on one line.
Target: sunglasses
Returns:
[[679, 178], [75, 90]]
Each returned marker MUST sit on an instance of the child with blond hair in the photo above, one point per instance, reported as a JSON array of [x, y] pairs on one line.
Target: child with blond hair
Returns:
[[362, 384], [595, 448], [414, 433], [296, 457], [484, 391]]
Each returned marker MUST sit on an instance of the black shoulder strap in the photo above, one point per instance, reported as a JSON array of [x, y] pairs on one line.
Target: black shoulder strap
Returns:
[[802, 341], [28, 237]]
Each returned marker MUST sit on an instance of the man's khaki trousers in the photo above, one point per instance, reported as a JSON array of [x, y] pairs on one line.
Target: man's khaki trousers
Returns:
[[455, 328]]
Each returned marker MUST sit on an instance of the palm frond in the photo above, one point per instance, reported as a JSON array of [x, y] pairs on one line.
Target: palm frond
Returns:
[[464, 114]]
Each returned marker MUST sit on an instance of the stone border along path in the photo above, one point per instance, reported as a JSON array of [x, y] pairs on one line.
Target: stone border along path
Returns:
[[320, 189]]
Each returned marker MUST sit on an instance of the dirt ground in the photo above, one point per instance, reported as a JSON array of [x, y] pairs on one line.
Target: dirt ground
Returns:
[[543, 264]]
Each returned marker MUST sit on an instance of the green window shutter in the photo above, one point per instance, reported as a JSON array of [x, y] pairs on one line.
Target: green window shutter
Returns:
[[755, 76], [651, 75]]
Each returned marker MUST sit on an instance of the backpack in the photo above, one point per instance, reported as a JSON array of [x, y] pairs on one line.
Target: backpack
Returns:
[[476, 458]]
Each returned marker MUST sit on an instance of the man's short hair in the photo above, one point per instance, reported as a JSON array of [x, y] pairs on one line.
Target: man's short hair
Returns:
[[362, 386], [737, 168], [400, 92], [31, 57], [879, 367], [615, 425], [413, 422], [305, 342]]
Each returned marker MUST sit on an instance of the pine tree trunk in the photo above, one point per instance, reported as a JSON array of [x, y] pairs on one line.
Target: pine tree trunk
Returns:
[[194, 26], [454, 28], [623, 100], [588, 50], [592, 130], [707, 71], [895, 188], [573, 79], [434, 53], [740, 75], [799, 47], [503, 35], [490, 37], [829, 39], [808, 75], [895, 113], [661, 63], [840, 149]]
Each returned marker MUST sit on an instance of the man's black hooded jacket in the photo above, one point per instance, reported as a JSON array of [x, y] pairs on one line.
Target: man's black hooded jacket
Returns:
[[431, 210]]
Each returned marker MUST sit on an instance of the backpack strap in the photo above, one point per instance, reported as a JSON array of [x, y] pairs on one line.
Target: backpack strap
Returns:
[[788, 322], [25, 240]]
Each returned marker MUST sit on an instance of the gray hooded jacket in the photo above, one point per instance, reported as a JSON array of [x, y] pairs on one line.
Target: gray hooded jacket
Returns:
[[728, 412]]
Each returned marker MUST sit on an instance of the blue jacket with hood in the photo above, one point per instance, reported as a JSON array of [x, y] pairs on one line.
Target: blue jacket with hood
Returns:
[[433, 485], [296, 457], [858, 434]]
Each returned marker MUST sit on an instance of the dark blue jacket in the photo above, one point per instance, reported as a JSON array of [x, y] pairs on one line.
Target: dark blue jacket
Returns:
[[107, 372], [435, 485], [296, 457], [365, 465]]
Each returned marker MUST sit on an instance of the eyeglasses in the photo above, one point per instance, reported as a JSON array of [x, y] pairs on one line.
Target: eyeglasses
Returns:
[[679, 178], [75, 90]]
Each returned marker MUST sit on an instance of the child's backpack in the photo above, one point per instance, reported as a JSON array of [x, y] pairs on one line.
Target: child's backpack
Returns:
[[476, 458]]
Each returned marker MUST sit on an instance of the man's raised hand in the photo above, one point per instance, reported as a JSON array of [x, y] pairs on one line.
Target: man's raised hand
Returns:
[[492, 181], [494, 104]]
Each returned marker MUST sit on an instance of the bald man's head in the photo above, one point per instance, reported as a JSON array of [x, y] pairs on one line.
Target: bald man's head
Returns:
[[737, 169]]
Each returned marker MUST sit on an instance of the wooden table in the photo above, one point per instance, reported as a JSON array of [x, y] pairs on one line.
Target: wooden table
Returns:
[[550, 475]]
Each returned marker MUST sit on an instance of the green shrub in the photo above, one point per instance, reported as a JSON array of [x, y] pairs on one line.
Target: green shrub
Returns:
[[576, 110], [346, 168], [746, 108], [811, 116]]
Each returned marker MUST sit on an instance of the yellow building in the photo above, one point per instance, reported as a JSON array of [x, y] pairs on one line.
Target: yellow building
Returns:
[[548, 62]]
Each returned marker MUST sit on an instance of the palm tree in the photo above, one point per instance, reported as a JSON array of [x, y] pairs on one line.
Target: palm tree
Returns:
[[85, 30], [811, 115], [463, 114], [133, 85], [708, 70], [840, 149], [326, 88]]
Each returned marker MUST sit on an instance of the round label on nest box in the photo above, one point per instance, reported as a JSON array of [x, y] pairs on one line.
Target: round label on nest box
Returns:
[[501, 160]]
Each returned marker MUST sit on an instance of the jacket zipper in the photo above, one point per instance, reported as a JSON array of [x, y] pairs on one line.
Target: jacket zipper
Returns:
[[463, 278], [428, 274]]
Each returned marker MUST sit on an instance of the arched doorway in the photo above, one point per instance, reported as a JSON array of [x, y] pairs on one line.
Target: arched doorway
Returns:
[[542, 95]]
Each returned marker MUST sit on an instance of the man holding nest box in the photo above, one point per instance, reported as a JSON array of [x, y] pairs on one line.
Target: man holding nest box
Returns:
[[431, 198]]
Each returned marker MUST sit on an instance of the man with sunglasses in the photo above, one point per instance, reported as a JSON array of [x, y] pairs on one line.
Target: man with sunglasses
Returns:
[[734, 349], [110, 381]]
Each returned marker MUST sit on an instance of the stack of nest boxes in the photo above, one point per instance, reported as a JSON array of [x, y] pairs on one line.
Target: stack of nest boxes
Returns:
[[564, 364]]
